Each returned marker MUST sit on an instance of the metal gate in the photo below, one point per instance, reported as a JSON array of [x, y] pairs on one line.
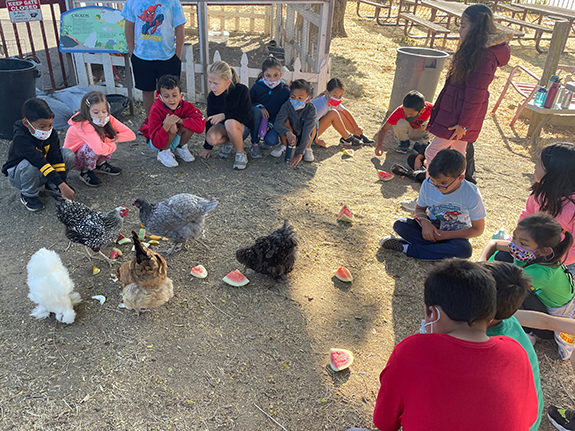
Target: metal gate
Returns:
[[38, 41]]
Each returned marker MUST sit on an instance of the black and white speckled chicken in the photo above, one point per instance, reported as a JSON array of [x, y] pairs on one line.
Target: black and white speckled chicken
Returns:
[[89, 227], [178, 218], [273, 255]]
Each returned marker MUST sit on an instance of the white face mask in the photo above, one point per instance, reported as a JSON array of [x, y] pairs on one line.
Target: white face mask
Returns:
[[101, 121], [41, 134], [422, 329], [271, 84]]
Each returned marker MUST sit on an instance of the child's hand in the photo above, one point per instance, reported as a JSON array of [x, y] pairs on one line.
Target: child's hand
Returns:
[[216, 119], [170, 121], [66, 191], [295, 160], [265, 113], [418, 162], [291, 138], [174, 129], [206, 154], [430, 232], [379, 150]]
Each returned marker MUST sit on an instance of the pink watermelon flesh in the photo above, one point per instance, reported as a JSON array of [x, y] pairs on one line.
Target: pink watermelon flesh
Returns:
[[345, 214], [340, 359], [236, 279], [115, 253], [385, 176], [343, 274], [348, 152], [199, 271]]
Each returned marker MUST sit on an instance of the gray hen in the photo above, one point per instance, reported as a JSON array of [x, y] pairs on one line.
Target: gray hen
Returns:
[[178, 218]]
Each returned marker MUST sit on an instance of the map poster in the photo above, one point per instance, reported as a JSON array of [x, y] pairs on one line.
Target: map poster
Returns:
[[93, 29], [24, 10]]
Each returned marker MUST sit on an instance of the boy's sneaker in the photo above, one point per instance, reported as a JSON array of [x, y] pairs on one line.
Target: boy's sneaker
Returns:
[[308, 155], [32, 203], [90, 179], [278, 151], [562, 419], [392, 243], [184, 154], [241, 161], [350, 141], [364, 139], [106, 168], [167, 158], [403, 147], [225, 151], [409, 205], [256, 151]]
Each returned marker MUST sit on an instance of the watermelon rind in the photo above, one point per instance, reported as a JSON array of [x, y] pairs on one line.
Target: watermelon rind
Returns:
[[345, 215], [343, 274], [385, 176], [125, 241], [340, 359], [348, 152], [236, 279], [199, 271]]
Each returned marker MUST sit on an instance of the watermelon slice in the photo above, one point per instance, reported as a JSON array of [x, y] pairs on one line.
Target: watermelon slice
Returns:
[[116, 253], [124, 241], [142, 234], [340, 359], [343, 274], [345, 214], [236, 279], [200, 272], [120, 237], [348, 152], [384, 176]]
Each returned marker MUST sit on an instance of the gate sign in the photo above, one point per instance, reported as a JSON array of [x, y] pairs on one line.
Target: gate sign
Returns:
[[24, 10], [93, 29]]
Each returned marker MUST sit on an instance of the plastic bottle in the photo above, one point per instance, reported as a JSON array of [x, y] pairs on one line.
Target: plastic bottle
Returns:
[[263, 130], [540, 97], [552, 93], [290, 152], [566, 102]]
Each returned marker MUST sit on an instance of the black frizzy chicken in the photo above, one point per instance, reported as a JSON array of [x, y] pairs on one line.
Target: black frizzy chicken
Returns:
[[273, 255], [178, 218], [89, 227]]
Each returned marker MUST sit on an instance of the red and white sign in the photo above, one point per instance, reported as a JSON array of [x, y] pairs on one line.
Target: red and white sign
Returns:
[[24, 10]]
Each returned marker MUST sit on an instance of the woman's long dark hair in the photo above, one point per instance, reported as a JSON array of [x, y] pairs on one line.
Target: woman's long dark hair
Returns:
[[557, 187], [546, 232], [471, 48], [83, 114]]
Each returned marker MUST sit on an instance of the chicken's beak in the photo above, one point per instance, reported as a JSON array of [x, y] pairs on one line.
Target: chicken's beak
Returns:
[[124, 211]]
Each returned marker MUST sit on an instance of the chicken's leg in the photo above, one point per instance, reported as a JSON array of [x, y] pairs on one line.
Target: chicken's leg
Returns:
[[95, 256], [174, 249]]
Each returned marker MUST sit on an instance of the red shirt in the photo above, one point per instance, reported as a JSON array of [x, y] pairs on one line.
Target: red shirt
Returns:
[[424, 115], [435, 382]]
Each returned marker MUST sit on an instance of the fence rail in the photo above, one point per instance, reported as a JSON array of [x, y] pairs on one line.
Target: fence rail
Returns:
[[567, 4]]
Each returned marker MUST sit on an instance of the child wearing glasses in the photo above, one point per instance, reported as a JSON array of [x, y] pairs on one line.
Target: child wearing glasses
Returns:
[[449, 211]]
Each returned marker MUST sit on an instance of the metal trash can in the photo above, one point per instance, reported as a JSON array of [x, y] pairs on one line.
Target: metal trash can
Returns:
[[416, 69], [17, 84]]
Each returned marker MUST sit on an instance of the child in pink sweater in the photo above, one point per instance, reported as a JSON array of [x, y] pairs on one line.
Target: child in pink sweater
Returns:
[[93, 135]]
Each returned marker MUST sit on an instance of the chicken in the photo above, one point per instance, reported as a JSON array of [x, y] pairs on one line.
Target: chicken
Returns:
[[89, 227], [273, 255], [51, 287], [178, 218], [145, 280]]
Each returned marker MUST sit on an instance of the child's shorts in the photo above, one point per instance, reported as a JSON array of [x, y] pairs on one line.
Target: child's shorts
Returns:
[[175, 144], [147, 72], [246, 131]]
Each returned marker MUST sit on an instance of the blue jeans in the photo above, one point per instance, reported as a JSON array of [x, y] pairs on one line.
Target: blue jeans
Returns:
[[28, 178], [272, 137], [422, 249]]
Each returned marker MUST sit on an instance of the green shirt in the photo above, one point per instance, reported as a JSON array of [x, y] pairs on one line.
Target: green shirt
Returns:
[[511, 328], [549, 282]]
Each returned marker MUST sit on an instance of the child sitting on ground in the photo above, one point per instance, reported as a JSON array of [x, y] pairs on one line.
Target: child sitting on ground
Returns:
[[330, 112], [408, 121], [172, 122], [268, 95], [453, 376], [35, 158], [297, 122], [449, 210], [93, 135], [538, 248], [417, 169], [229, 114]]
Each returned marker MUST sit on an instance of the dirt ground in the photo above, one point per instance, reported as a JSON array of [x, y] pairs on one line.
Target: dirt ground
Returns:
[[252, 358]]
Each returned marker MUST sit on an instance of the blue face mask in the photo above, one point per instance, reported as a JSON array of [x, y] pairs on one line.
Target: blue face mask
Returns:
[[297, 104]]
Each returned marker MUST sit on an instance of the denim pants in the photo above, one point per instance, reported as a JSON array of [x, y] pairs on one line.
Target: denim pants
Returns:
[[272, 137], [28, 179], [422, 249]]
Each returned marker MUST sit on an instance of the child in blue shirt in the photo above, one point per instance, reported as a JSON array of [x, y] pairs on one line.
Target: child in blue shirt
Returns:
[[268, 95]]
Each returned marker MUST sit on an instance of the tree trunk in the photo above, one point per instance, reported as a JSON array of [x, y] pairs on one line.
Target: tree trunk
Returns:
[[338, 29]]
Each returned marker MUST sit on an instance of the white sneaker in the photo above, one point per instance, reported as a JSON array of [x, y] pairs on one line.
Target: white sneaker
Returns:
[[184, 154], [278, 151], [409, 205], [241, 161], [308, 155], [167, 158]]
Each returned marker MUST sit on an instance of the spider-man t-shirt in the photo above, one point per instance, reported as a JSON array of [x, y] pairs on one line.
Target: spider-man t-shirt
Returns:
[[155, 22], [398, 114]]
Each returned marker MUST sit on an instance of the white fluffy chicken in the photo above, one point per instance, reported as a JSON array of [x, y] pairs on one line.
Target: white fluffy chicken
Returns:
[[51, 287]]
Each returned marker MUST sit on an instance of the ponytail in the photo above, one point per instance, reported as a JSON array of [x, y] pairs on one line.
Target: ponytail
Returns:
[[224, 71], [563, 248], [546, 232]]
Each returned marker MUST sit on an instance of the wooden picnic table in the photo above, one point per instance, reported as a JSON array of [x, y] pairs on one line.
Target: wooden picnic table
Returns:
[[547, 10], [540, 117]]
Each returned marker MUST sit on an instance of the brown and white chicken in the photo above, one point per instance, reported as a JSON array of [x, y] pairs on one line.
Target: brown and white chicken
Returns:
[[145, 279]]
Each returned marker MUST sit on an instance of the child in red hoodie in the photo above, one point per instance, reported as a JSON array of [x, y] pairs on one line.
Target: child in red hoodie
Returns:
[[172, 122]]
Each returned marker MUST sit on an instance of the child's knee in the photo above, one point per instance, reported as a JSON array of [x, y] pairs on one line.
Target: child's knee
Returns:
[[233, 125], [214, 137]]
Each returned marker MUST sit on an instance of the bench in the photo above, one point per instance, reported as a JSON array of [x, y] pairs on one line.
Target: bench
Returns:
[[433, 29], [377, 6], [513, 9], [537, 27]]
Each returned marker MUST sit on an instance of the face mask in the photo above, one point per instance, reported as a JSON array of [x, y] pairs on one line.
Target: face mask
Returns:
[[297, 104], [271, 84], [101, 121], [41, 134], [413, 118], [520, 253], [423, 324], [334, 102]]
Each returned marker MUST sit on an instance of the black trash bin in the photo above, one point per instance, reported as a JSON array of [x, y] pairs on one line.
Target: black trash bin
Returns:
[[17, 84]]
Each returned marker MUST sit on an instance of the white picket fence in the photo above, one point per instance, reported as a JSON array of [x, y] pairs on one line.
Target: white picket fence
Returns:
[[84, 75]]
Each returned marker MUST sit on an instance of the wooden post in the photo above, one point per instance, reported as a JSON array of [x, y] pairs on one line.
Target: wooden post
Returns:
[[190, 73], [129, 82], [204, 43], [556, 47]]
